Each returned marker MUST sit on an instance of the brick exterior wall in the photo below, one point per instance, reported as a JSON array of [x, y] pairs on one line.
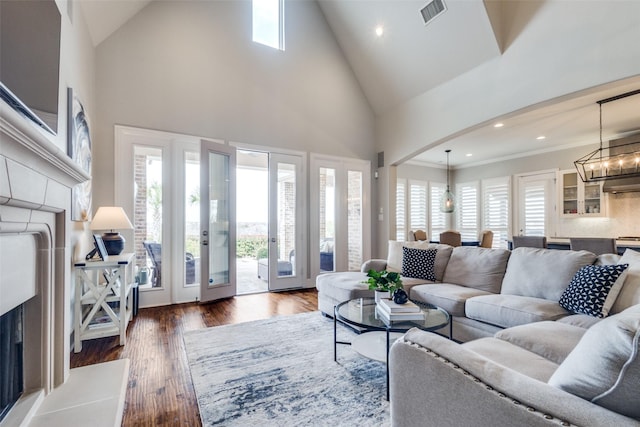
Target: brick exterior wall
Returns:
[[140, 208], [287, 218], [354, 220]]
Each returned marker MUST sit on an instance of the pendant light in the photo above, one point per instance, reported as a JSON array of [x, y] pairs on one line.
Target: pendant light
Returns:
[[617, 161], [447, 203]]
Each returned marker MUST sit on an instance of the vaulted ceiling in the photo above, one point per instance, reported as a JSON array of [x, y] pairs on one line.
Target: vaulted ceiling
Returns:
[[410, 58]]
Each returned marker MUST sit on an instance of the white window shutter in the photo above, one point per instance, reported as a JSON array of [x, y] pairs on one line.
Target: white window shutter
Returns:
[[467, 195], [401, 212], [495, 209]]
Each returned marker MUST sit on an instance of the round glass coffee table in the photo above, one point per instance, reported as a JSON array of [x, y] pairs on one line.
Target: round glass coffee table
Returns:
[[376, 335]]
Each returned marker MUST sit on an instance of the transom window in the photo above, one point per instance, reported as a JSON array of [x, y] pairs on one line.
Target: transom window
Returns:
[[268, 23]]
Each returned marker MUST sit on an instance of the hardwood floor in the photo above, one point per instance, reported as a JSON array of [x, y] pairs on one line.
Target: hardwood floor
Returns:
[[160, 391]]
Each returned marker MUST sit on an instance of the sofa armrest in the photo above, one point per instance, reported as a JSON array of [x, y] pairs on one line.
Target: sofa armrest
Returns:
[[373, 264], [434, 381]]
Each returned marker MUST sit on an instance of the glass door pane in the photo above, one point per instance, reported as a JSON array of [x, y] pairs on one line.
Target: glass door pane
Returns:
[[285, 222], [327, 211], [147, 216], [286, 241], [354, 220], [217, 216], [192, 218]]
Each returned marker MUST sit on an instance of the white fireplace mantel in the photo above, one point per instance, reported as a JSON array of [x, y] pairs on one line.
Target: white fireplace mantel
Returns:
[[36, 178]]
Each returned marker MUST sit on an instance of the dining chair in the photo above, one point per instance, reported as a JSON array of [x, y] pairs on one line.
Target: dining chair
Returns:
[[597, 245], [486, 239], [420, 235], [451, 238], [529, 241]]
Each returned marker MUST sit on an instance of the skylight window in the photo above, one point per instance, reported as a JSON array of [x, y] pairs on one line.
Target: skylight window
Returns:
[[268, 23]]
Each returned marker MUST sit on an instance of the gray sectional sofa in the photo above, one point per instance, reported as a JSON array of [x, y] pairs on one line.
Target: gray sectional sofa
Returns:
[[520, 358]]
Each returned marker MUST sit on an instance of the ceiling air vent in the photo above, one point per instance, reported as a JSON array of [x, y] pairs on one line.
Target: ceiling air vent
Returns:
[[431, 10]]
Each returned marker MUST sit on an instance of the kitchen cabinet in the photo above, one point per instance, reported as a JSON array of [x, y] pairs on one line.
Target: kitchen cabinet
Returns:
[[580, 199]]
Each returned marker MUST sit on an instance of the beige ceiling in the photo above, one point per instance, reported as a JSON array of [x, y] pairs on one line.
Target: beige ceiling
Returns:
[[410, 58]]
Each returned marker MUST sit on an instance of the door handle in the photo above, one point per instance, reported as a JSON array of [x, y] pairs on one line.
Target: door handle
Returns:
[[273, 240], [205, 242]]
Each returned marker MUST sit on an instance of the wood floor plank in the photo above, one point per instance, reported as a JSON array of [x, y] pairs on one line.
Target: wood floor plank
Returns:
[[160, 391]]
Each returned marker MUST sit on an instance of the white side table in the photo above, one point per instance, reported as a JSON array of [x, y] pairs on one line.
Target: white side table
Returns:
[[103, 298]]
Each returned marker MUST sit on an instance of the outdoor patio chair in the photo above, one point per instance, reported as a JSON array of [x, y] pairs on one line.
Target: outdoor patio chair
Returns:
[[154, 250]]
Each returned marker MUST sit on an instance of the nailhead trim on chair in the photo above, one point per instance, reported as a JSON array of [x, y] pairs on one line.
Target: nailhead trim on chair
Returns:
[[488, 387]]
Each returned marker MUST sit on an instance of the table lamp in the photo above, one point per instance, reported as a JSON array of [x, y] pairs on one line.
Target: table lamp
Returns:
[[111, 218]]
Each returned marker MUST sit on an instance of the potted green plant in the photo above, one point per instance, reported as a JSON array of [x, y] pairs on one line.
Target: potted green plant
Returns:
[[385, 283]]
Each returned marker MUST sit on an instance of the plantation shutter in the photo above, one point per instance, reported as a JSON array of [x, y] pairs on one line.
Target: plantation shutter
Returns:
[[534, 209], [401, 228], [467, 195], [417, 205], [438, 220], [495, 209]]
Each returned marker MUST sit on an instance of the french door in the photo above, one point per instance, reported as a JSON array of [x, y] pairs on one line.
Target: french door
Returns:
[[285, 241], [341, 224], [217, 221], [157, 180], [536, 204]]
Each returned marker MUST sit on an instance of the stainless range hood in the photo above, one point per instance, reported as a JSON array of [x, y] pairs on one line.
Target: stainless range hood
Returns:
[[623, 185]]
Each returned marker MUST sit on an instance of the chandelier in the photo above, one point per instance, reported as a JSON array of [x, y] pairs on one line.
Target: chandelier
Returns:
[[620, 161]]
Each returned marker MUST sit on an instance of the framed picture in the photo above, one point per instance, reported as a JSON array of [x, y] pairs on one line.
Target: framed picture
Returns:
[[100, 248], [79, 149]]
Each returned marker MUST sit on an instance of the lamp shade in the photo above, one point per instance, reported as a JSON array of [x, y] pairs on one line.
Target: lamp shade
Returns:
[[111, 218]]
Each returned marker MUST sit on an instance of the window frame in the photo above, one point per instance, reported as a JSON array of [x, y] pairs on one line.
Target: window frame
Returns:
[[280, 18]]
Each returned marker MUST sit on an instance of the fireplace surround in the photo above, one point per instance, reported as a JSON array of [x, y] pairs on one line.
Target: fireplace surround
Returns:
[[36, 178]]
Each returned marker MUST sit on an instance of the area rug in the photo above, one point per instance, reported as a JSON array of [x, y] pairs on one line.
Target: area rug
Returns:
[[280, 372]]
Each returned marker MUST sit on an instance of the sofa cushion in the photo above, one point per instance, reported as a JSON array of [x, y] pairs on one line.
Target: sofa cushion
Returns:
[[551, 340], [581, 320], [343, 286], [394, 258], [480, 268], [506, 354], [607, 259], [450, 297], [604, 367], [542, 273], [395, 254], [512, 310], [593, 289], [630, 293], [419, 263]]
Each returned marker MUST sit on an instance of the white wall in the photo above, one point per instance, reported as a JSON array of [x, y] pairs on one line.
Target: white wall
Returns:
[[564, 47], [77, 70], [191, 68]]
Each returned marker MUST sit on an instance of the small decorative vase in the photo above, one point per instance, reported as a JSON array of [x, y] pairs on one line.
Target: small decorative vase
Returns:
[[382, 294], [400, 296]]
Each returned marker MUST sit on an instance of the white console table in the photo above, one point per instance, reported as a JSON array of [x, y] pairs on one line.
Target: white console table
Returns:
[[103, 298]]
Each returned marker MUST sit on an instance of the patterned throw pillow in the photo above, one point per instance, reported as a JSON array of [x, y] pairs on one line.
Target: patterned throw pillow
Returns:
[[419, 263], [593, 289]]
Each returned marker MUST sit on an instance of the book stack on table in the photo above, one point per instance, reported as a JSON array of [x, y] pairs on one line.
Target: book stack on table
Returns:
[[390, 311]]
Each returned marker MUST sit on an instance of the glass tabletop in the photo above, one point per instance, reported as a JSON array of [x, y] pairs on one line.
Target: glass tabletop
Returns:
[[361, 312]]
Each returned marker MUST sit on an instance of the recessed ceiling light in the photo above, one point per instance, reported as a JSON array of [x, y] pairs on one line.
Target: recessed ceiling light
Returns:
[[468, 154], [541, 137], [379, 30], [498, 125]]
